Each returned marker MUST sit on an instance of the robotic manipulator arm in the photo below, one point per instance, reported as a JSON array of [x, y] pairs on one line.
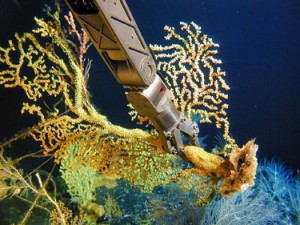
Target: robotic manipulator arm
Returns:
[[114, 33]]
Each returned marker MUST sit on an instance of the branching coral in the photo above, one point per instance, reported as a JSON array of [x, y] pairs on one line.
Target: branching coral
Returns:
[[140, 163], [104, 146], [112, 208], [48, 62], [78, 177], [56, 68], [14, 183], [194, 76]]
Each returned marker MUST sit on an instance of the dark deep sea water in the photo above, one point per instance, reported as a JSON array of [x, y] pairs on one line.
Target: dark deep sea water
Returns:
[[259, 46]]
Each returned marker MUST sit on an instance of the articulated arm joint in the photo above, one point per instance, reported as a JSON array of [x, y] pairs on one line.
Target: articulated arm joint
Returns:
[[154, 102], [114, 33]]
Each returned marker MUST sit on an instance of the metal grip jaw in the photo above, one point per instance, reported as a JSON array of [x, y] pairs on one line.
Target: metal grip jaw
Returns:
[[154, 102], [174, 137]]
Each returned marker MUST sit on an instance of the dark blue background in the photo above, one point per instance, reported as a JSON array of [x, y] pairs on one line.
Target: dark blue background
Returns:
[[259, 46]]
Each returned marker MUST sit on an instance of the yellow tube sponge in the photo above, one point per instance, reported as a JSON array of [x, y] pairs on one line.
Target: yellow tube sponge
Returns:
[[205, 163]]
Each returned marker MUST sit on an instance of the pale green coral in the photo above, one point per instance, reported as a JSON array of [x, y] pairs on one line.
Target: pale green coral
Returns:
[[79, 178]]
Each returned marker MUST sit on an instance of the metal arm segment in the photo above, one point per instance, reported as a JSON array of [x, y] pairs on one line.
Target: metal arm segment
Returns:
[[114, 33]]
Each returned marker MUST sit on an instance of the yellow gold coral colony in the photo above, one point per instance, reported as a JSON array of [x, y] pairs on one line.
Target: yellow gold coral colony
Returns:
[[133, 154]]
